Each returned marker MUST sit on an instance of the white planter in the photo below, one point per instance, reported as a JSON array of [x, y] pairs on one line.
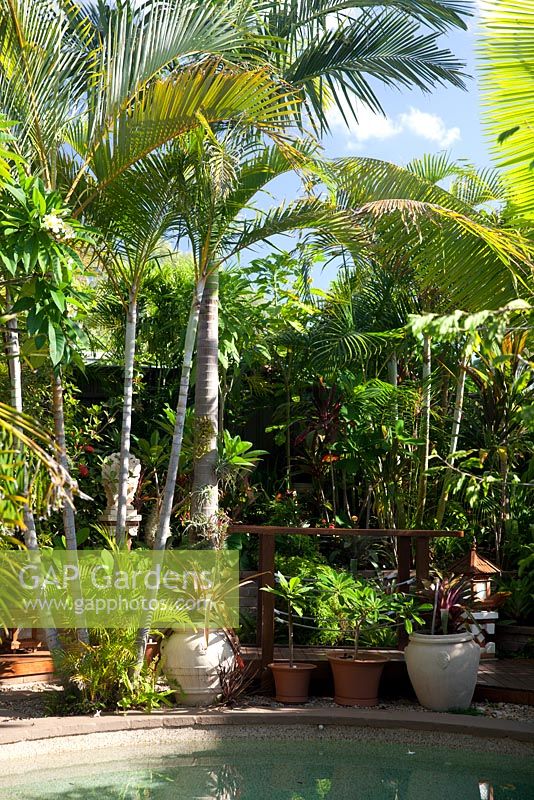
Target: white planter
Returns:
[[443, 669], [188, 661]]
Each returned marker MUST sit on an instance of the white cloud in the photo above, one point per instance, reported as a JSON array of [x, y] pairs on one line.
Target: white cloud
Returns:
[[368, 126], [377, 126], [430, 127]]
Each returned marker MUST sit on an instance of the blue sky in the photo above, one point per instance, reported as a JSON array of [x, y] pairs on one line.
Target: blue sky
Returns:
[[415, 123]]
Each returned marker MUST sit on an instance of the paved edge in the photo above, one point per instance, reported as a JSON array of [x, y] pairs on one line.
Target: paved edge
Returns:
[[15, 731]]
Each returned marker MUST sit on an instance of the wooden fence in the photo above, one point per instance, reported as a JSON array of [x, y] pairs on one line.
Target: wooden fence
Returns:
[[267, 537]]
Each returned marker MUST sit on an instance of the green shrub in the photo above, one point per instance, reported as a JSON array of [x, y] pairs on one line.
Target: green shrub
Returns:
[[100, 676]]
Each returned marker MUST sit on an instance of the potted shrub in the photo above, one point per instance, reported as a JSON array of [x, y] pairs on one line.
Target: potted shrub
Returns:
[[291, 679], [193, 654], [358, 607], [443, 662]]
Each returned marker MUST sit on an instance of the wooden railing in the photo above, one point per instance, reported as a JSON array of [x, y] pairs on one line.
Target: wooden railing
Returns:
[[268, 533]]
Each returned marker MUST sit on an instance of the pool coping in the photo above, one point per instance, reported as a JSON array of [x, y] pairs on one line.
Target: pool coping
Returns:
[[13, 731]]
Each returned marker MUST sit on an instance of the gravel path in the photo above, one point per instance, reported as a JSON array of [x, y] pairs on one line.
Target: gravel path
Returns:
[[26, 700], [32, 700], [496, 710]]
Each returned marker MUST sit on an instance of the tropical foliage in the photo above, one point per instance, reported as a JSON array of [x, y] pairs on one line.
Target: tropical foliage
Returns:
[[158, 301]]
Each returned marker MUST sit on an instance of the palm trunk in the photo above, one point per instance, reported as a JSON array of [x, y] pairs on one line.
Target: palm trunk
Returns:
[[287, 382], [398, 507], [425, 432], [178, 432], [15, 380], [393, 379], [69, 521], [129, 360], [205, 500], [500, 528], [163, 528], [455, 434]]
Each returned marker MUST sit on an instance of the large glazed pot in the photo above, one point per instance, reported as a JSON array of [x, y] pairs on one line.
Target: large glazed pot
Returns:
[[443, 669], [356, 680], [192, 663], [292, 683]]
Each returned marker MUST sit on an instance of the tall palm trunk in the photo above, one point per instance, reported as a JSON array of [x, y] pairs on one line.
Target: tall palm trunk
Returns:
[[129, 360], [163, 528], [15, 379], [69, 520], [205, 488], [424, 432], [398, 510], [178, 433], [455, 434]]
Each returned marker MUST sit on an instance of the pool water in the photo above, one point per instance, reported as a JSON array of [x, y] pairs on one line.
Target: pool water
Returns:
[[263, 769]]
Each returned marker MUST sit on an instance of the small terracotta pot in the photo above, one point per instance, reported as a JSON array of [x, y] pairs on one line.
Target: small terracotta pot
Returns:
[[292, 683], [356, 680]]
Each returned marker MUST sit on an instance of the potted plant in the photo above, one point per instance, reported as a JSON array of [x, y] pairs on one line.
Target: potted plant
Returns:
[[195, 652], [291, 679], [357, 607], [443, 662]]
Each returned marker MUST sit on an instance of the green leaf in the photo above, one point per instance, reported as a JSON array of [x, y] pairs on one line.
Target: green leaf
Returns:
[[59, 299], [56, 343]]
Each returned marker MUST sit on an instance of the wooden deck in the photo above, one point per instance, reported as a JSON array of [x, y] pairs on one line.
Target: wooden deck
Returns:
[[26, 667], [509, 680]]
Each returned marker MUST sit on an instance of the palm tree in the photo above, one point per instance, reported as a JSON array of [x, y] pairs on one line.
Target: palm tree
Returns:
[[96, 89], [505, 58], [220, 180], [440, 234], [330, 64]]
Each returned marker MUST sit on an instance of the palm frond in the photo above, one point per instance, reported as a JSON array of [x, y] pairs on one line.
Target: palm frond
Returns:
[[27, 450], [506, 53], [312, 213], [43, 74], [477, 263], [171, 106], [388, 47]]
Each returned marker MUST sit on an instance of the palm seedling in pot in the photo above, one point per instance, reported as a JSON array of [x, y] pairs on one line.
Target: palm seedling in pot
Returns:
[[291, 679], [443, 662], [358, 607]]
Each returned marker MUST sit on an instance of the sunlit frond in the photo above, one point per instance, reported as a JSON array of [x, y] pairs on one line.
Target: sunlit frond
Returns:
[[26, 451], [506, 54]]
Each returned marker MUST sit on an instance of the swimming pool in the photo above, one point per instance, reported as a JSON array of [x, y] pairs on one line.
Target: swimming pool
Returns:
[[236, 766]]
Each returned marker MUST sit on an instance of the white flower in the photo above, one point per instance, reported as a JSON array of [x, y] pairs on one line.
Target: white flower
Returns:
[[57, 227]]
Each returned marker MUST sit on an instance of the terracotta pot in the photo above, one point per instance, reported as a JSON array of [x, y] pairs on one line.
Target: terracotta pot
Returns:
[[356, 680], [292, 683], [443, 669]]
